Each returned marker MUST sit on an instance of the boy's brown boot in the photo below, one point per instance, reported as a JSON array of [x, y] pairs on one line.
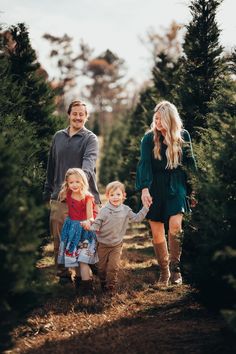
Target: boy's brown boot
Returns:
[[175, 246], [162, 255], [110, 290], [103, 286]]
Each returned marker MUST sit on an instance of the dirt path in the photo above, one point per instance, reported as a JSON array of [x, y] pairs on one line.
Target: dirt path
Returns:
[[139, 319]]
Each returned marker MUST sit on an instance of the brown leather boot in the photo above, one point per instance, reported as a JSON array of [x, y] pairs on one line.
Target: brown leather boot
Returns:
[[175, 247], [162, 255]]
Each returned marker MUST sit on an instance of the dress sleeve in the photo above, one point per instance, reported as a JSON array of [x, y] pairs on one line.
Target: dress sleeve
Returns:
[[144, 173], [188, 159]]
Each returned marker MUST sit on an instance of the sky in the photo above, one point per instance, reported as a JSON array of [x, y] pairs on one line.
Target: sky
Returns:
[[108, 24]]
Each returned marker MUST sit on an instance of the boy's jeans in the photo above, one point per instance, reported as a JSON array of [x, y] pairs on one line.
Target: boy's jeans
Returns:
[[109, 263]]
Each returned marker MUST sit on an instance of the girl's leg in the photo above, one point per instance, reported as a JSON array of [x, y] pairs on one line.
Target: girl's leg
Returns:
[[85, 271], [175, 237], [86, 287], [161, 251]]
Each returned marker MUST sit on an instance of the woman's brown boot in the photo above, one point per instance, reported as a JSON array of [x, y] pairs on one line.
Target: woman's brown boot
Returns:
[[162, 255], [175, 247]]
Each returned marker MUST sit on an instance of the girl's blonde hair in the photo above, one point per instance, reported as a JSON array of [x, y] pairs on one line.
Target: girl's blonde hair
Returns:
[[83, 179], [172, 123]]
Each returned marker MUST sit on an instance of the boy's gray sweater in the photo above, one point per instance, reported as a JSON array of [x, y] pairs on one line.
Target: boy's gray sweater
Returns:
[[111, 222]]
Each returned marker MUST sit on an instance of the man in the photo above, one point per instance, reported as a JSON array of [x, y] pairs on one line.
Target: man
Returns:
[[74, 146]]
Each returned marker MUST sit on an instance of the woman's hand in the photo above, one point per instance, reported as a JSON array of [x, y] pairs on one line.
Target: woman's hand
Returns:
[[146, 198]]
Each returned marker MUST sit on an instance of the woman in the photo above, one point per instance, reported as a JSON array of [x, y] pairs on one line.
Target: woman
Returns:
[[166, 156]]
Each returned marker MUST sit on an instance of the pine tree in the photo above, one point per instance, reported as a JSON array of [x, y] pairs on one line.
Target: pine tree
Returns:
[[164, 80], [138, 124], [20, 177], [26, 73], [202, 65], [112, 158], [212, 246], [165, 77]]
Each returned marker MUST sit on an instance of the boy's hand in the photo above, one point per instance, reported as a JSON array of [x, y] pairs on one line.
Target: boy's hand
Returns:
[[147, 205], [146, 198]]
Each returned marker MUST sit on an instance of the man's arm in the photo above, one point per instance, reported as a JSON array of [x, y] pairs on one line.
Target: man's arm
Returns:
[[90, 156]]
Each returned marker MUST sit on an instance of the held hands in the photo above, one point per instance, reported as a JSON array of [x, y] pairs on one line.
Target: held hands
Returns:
[[86, 224], [146, 198]]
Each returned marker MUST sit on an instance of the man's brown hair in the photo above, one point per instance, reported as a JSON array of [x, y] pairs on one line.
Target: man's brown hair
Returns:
[[77, 103]]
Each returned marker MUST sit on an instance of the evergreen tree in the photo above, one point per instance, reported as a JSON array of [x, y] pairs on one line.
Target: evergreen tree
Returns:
[[111, 159], [139, 122], [20, 227], [164, 81], [20, 176], [26, 73], [211, 246], [202, 65]]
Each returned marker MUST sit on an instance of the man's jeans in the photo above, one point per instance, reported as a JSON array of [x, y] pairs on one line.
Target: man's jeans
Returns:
[[58, 214]]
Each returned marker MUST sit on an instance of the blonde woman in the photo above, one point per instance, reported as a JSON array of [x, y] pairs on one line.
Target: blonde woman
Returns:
[[77, 245], [166, 155]]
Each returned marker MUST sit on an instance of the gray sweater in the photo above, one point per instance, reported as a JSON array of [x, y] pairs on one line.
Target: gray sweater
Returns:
[[79, 150], [111, 222]]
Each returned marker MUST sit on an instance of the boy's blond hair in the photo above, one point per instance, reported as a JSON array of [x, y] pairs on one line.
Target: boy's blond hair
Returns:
[[112, 186]]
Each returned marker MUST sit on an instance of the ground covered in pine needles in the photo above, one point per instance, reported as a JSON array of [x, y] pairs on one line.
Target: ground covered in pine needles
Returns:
[[140, 318]]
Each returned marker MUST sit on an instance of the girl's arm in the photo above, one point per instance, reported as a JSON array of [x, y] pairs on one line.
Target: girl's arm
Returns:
[[89, 212]]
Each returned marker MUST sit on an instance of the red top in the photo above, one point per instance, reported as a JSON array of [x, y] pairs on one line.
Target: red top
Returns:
[[77, 208]]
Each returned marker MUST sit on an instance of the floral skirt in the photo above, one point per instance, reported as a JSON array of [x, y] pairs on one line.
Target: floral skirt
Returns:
[[77, 245]]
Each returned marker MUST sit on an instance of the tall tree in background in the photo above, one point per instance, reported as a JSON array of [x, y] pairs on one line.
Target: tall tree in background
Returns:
[[106, 91], [202, 65], [25, 71], [25, 125], [167, 42], [69, 67], [208, 105], [164, 78]]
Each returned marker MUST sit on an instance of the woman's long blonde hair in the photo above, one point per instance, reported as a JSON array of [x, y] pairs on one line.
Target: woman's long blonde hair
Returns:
[[83, 179], [173, 126]]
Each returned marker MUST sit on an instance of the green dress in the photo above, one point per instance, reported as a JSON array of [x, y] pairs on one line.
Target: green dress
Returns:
[[168, 187]]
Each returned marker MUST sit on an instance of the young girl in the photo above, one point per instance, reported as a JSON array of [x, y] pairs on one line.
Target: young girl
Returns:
[[78, 246]]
